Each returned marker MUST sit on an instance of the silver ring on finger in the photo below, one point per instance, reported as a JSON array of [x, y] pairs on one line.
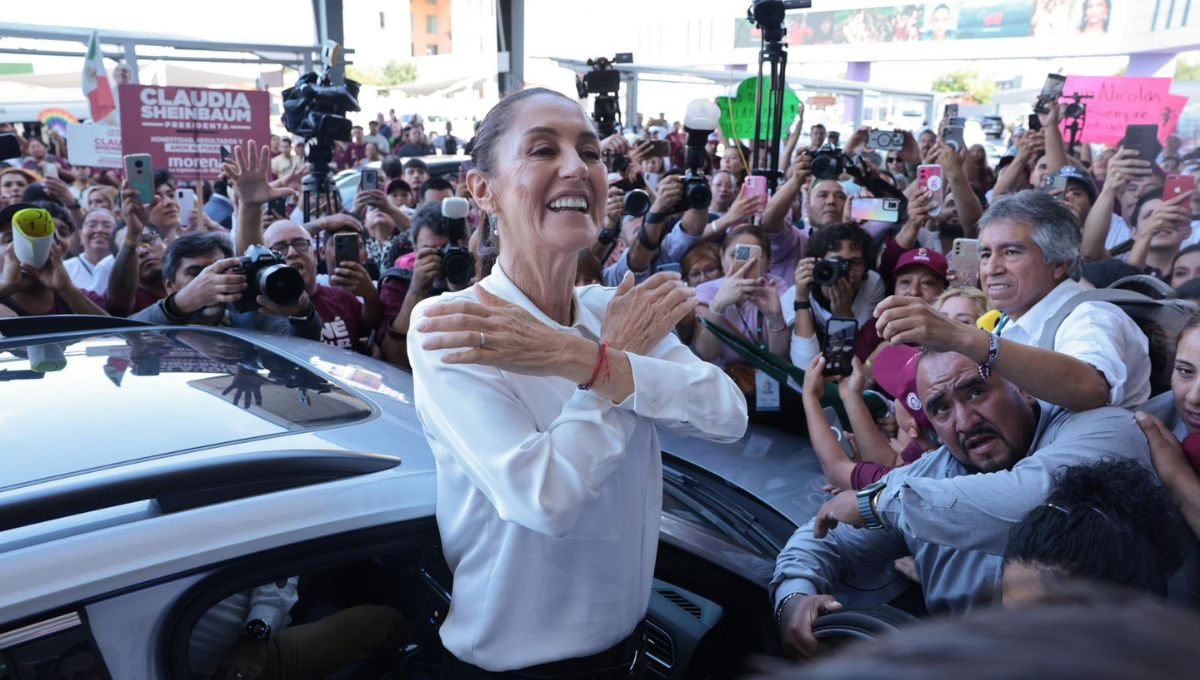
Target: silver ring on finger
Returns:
[[482, 339]]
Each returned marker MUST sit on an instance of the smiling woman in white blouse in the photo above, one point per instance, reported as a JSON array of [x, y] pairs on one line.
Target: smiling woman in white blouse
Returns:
[[541, 402]]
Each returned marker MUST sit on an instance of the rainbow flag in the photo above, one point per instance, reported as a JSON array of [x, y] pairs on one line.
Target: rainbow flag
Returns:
[[57, 119]]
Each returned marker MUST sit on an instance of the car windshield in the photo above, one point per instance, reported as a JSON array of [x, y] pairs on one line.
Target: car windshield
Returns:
[[119, 397]]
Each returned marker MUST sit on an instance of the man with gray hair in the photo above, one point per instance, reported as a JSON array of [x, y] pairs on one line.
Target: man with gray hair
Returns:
[[1029, 260]]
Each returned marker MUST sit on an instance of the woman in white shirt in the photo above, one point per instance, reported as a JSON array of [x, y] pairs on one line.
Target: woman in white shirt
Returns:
[[541, 401]]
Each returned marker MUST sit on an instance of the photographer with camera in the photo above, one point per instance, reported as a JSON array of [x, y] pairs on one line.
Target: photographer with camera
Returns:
[[662, 238], [834, 279], [205, 285], [441, 263], [346, 322]]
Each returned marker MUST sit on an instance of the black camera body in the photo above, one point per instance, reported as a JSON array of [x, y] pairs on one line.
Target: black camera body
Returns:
[[605, 82], [316, 108], [267, 275], [828, 162], [697, 195], [827, 272], [457, 264]]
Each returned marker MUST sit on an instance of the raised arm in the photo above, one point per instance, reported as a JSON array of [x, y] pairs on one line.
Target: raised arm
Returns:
[[1056, 153], [965, 200], [774, 215], [1123, 168], [248, 170], [1051, 376], [1015, 177], [122, 282]]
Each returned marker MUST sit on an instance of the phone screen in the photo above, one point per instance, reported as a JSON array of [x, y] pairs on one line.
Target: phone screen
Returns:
[[1053, 87], [875, 209], [840, 336]]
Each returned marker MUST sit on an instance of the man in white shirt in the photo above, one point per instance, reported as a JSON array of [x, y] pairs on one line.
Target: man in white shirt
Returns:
[[1029, 251], [91, 269]]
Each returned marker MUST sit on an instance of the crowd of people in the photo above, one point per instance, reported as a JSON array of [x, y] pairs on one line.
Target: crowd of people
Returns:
[[1007, 455]]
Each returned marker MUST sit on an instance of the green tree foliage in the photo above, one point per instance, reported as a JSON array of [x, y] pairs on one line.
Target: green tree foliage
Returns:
[[1187, 70], [393, 73], [970, 82]]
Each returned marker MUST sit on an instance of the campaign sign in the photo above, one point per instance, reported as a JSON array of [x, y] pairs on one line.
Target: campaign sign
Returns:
[[1120, 101], [184, 128], [94, 145]]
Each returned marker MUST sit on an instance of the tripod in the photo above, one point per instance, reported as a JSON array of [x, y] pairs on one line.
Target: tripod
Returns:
[[774, 54], [320, 195]]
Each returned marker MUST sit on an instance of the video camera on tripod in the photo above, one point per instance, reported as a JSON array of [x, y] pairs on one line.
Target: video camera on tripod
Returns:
[[315, 109], [605, 82]]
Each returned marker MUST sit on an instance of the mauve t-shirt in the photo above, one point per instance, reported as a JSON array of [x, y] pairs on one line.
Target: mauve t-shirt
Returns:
[[341, 316]]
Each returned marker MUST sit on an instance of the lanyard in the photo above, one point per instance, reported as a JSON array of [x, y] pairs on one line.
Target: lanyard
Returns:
[[1000, 324], [760, 336]]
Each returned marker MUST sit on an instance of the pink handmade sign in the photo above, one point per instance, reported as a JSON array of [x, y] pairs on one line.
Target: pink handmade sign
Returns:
[[1120, 101]]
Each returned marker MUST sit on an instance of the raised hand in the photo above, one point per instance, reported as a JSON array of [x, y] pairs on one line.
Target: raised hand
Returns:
[[248, 170], [639, 317]]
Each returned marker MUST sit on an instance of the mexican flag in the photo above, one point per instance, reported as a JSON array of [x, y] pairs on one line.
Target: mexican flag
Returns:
[[95, 81]]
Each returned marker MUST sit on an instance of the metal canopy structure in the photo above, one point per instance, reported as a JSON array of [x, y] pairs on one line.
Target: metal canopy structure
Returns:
[[631, 74], [327, 15]]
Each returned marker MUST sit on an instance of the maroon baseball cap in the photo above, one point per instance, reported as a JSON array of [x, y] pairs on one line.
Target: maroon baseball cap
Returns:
[[924, 257], [895, 370]]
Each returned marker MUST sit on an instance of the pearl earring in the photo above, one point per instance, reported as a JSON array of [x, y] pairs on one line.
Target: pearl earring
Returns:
[[494, 222]]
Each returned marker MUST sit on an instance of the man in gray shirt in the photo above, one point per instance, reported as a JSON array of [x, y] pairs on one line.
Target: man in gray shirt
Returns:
[[953, 508]]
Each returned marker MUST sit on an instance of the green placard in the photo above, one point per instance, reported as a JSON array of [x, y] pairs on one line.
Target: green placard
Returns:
[[737, 113], [16, 69]]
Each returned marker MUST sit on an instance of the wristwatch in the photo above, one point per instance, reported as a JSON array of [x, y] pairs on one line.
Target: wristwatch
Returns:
[[306, 317], [257, 629], [867, 497]]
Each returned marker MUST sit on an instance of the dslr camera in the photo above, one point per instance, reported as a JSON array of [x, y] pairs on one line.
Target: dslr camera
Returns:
[[696, 193], [457, 264], [267, 275], [827, 272], [828, 162]]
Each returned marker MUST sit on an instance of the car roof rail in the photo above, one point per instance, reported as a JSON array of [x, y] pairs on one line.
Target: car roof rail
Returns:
[[184, 482], [19, 326]]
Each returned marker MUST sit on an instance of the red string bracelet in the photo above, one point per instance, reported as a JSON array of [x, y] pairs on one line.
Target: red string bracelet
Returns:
[[601, 365]]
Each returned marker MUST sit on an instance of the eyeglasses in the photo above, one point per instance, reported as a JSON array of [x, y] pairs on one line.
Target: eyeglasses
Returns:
[[150, 238], [300, 245], [895, 160]]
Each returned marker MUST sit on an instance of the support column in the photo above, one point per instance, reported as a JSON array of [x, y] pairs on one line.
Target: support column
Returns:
[[1151, 65], [858, 71], [131, 61], [631, 98]]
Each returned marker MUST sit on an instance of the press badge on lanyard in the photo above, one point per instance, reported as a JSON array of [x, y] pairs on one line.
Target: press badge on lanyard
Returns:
[[766, 391]]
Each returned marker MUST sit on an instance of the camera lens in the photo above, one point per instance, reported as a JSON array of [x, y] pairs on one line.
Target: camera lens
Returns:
[[137, 164], [637, 203], [827, 272], [280, 284], [457, 265], [699, 196]]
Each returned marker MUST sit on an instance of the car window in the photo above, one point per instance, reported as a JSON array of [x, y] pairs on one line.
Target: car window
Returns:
[[155, 392], [60, 648], [702, 511], [380, 609]]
